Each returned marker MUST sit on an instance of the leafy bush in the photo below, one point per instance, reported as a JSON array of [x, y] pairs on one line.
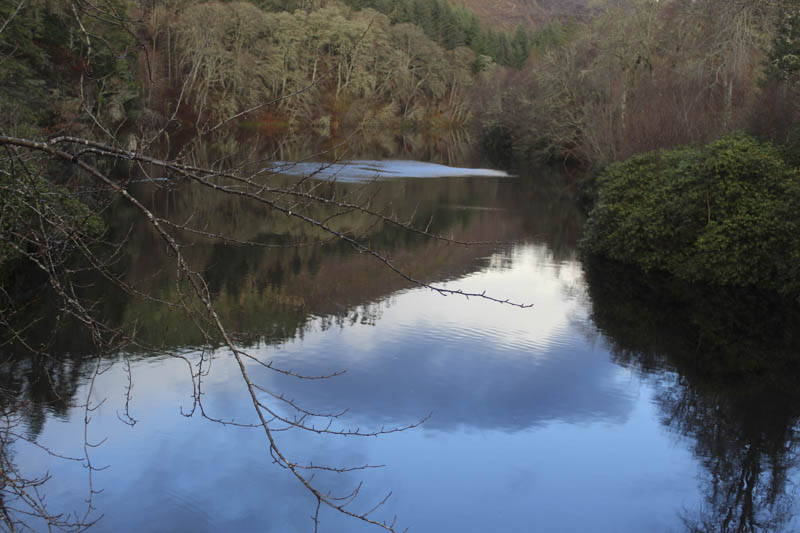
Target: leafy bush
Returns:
[[39, 217], [726, 213]]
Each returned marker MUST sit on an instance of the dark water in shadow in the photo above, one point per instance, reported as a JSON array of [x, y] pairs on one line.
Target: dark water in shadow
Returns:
[[618, 403]]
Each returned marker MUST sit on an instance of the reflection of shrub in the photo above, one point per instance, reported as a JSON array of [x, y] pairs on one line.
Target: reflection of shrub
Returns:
[[725, 213], [723, 363], [722, 334]]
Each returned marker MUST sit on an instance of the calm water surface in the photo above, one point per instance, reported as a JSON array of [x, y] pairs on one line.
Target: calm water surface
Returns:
[[616, 404]]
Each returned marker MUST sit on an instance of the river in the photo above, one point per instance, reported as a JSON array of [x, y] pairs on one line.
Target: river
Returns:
[[618, 402]]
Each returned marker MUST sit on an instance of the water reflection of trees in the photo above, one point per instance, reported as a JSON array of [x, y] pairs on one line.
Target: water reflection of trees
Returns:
[[269, 294], [454, 147], [266, 295], [35, 386], [724, 364]]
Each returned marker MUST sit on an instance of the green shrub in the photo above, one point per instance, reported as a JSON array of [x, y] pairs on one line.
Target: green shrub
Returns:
[[41, 219], [727, 213]]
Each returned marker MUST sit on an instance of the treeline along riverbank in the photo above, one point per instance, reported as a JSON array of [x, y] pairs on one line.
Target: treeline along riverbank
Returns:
[[589, 88]]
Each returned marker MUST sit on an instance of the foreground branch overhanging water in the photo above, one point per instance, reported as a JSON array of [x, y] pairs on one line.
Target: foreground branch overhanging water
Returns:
[[237, 184]]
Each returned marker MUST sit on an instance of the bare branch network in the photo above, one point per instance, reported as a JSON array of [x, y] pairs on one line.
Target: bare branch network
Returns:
[[275, 412], [47, 222]]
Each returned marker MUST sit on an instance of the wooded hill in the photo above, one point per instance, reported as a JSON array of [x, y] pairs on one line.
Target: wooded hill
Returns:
[[635, 76], [510, 14], [642, 75], [448, 24], [367, 66]]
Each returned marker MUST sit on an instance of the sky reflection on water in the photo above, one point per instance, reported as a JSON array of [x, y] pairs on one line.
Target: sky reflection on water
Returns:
[[533, 427], [586, 412]]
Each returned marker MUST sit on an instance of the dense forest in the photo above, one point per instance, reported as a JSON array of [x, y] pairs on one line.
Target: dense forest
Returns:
[[587, 87], [590, 87], [648, 75], [353, 66]]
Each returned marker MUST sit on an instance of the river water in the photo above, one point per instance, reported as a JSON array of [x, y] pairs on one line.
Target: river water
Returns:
[[617, 403]]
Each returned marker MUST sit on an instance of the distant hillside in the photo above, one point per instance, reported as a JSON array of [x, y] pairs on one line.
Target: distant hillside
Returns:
[[511, 13]]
